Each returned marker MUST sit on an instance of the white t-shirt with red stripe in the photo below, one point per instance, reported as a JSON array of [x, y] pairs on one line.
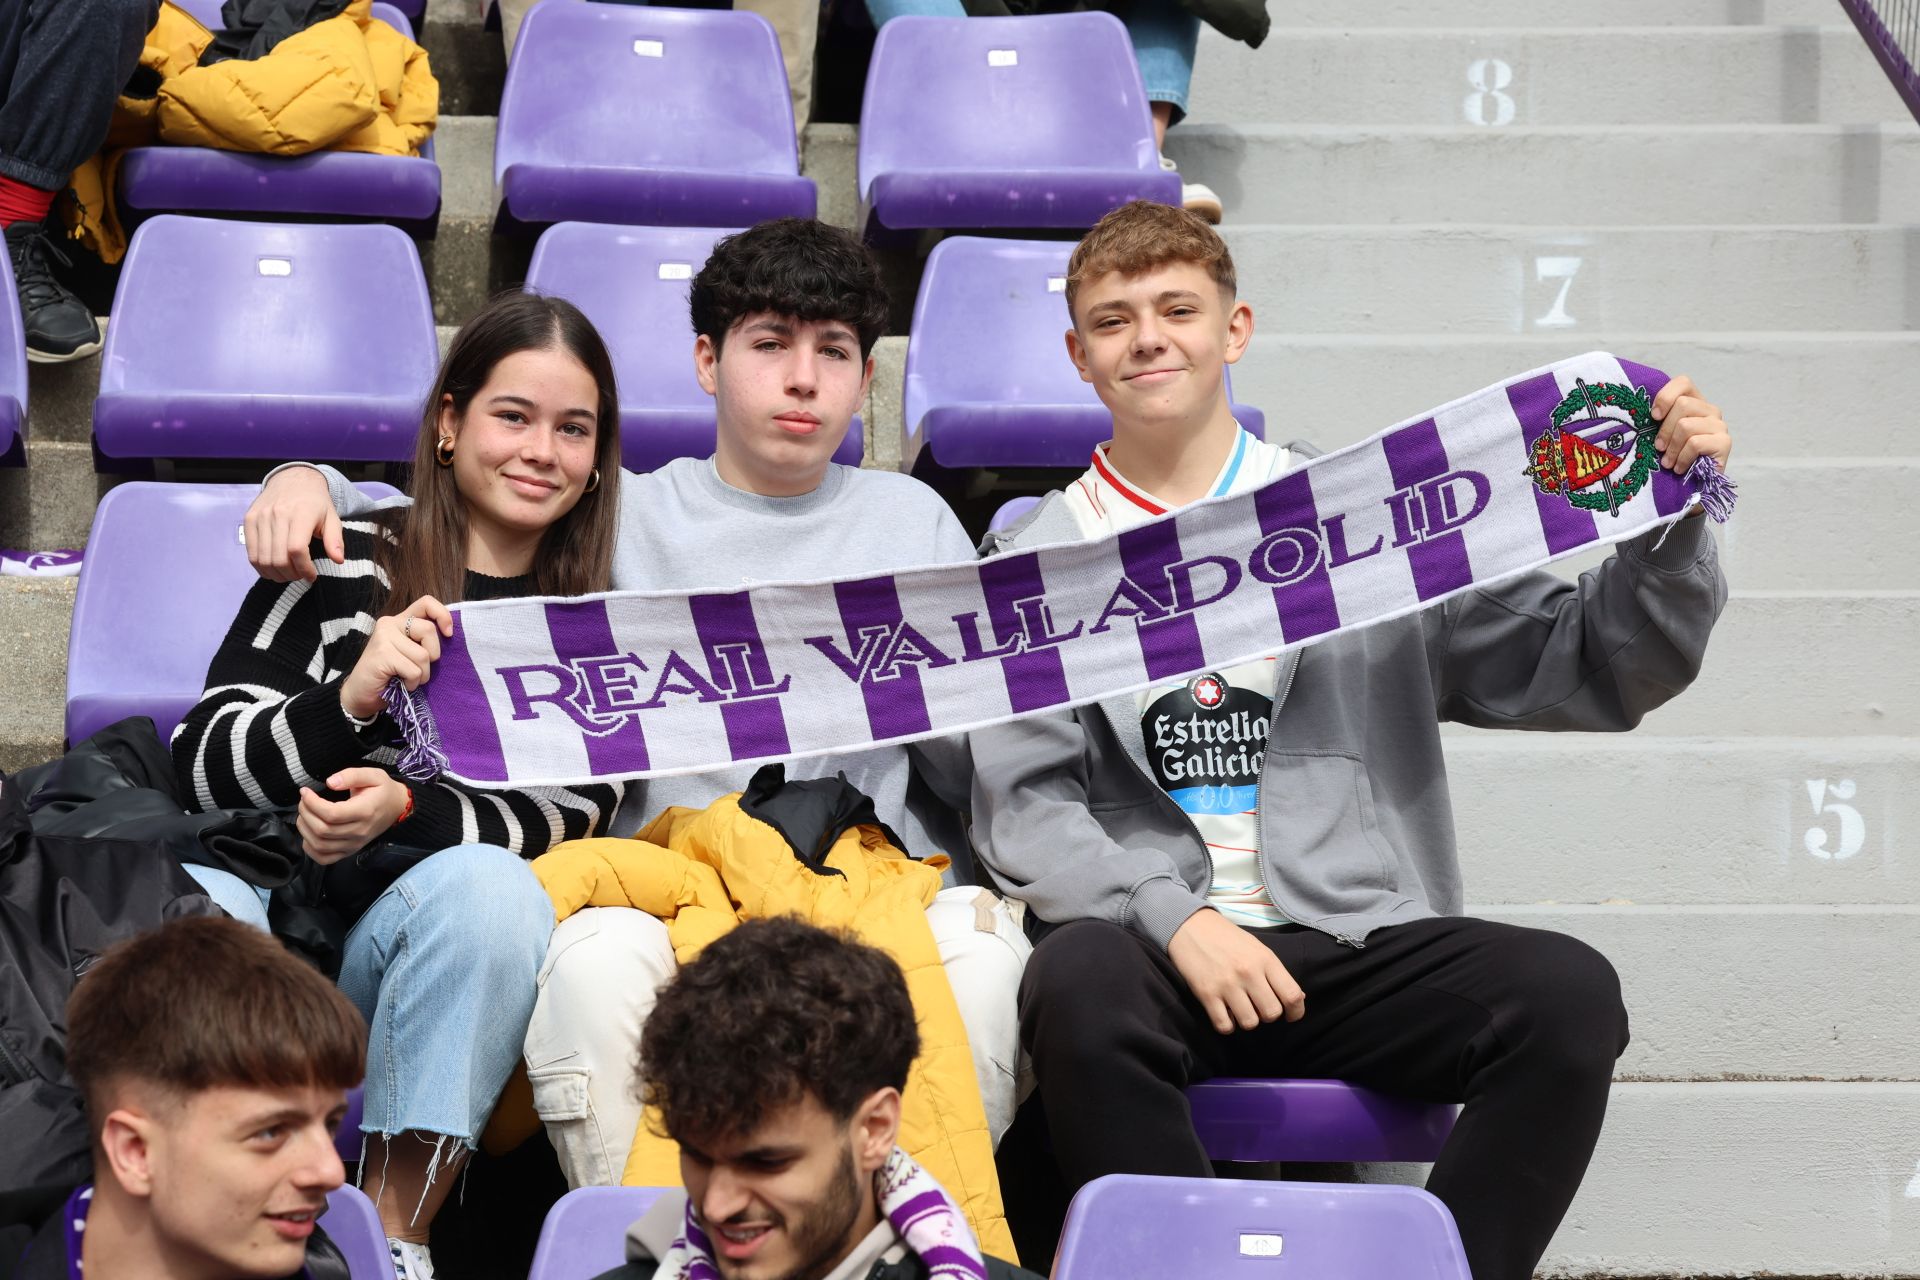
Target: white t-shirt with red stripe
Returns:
[[1206, 737]]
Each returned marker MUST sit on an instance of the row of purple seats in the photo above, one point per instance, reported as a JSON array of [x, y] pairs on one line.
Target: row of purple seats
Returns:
[[401, 189], [1126, 1226], [13, 375], [654, 116], [280, 340], [988, 381]]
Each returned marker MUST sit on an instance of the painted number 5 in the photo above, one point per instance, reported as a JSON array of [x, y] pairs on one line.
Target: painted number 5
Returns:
[[1828, 801], [1487, 105]]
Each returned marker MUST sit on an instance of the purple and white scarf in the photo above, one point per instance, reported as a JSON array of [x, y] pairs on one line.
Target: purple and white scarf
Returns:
[[547, 692], [910, 1199]]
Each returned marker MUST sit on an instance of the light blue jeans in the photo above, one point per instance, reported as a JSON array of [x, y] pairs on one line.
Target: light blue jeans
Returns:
[[443, 966], [1165, 36], [232, 895]]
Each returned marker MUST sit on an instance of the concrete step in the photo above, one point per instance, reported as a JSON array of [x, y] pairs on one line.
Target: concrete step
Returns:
[[1786, 395], [1812, 526], [1453, 15], [1754, 821], [1535, 75], [1371, 279], [1796, 664], [1783, 992], [48, 504], [35, 614], [1631, 175], [1738, 1179]]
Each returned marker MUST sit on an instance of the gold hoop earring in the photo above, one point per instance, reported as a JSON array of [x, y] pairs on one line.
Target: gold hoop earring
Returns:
[[443, 451], [593, 481]]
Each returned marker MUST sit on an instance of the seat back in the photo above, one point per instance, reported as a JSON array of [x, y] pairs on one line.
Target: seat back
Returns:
[[354, 1225], [585, 1232], [1315, 1121], [207, 13], [164, 575], [988, 379], [615, 86], [13, 371], [632, 283], [1124, 1226], [266, 340], [1011, 512], [1055, 92]]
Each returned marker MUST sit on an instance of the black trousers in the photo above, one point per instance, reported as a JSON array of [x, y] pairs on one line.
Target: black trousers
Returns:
[[1521, 1025], [63, 64]]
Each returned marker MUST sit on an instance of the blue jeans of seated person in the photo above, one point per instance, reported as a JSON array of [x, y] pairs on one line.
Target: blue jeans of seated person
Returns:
[[1165, 35], [232, 895], [443, 966]]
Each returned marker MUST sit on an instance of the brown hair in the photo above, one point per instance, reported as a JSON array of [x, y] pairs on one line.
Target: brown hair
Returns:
[[1143, 236], [427, 552], [775, 1011], [209, 1001]]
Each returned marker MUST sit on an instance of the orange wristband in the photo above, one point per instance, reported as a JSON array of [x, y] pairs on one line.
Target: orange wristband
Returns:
[[408, 811]]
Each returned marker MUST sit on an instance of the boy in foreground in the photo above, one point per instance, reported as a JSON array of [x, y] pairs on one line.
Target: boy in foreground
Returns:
[[215, 1066], [1191, 898], [776, 1060]]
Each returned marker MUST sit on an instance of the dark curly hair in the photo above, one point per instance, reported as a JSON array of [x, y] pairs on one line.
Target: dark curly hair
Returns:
[[772, 1012], [796, 267]]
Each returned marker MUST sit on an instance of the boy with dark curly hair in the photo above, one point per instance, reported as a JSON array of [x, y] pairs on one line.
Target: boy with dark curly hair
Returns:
[[776, 1061], [785, 316], [215, 1066]]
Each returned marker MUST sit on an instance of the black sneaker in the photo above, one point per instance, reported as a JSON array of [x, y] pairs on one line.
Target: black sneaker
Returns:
[[59, 326]]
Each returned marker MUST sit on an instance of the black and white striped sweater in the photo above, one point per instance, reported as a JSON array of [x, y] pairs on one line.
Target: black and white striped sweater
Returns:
[[270, 721]]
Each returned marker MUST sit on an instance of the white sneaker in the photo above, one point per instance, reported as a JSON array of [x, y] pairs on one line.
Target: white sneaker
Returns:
[[410, 1261], [1196, 197]]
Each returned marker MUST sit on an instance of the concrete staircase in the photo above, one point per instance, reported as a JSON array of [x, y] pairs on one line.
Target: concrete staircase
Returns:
[[1425, 196]]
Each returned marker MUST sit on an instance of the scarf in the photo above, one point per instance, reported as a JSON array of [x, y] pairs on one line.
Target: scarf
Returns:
[[909, 1199], [548, 692]]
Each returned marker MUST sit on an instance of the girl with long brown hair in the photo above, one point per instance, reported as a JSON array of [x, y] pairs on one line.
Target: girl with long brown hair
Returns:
[[515, 493]]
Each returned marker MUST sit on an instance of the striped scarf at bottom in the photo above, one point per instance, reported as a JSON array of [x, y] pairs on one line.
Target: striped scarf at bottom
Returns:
[[916, 1205]]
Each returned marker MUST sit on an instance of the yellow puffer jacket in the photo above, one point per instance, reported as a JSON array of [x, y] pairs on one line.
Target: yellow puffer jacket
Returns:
[[350, 83], [691, 867]]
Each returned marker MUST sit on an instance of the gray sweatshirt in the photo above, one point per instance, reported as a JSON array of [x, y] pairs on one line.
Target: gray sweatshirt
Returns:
[[1355, 822], [683, 528]]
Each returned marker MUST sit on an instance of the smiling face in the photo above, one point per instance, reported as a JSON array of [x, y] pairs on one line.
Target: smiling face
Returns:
[[785, 392], [790, 1199], [1155, 346], [524, 449], [232, 1178]]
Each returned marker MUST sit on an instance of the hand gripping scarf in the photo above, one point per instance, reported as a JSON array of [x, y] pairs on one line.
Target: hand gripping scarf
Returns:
[[548, 692], [910, 1199]]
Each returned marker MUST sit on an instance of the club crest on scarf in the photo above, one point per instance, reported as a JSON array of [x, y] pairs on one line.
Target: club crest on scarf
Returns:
[[1600, 449]]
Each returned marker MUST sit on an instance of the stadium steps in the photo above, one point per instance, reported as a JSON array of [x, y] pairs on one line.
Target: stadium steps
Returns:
[[1741, 191]]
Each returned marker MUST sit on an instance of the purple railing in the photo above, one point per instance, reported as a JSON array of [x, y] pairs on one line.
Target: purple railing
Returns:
[[1891, 29]]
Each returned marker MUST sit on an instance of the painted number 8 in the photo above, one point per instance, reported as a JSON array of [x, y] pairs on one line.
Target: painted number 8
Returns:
[[1826, 799], [1489, 76]]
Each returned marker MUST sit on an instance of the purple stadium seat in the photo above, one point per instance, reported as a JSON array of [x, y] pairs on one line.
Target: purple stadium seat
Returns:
[[13, 374], [658, 117], [142, 637], [1006, 122], [1131, 1227], [401, 189], [988, 379], [1011, 512], [266, 340], [354, 1224], [1314, 1121], [586, 1231], [347, 1139], [632, 283]]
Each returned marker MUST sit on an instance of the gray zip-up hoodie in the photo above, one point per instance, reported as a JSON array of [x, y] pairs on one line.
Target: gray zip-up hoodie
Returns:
[[1356, 826]]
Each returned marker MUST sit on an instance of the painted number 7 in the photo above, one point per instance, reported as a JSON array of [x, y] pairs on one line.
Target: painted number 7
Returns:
[[1827, 798], [1563, 270]]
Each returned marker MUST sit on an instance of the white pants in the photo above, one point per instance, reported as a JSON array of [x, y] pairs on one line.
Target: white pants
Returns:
[[605, 965]]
